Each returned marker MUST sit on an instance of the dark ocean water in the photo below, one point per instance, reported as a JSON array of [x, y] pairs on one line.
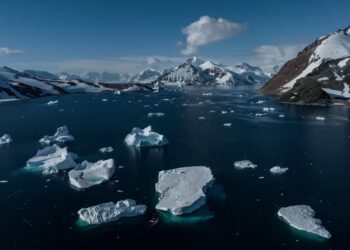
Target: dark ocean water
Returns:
[[39, 212]]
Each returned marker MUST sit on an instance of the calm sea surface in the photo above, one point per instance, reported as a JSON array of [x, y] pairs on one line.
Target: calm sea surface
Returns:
[[40, 212]]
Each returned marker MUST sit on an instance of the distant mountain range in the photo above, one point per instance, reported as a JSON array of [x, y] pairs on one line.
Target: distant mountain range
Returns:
[[319, 72], [16, 85]]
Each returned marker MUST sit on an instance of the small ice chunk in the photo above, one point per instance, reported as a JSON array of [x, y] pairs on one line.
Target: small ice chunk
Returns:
[[223, 112], [5, 139], [52, 102], [182, 190], [201, 118], [145, 138], [207, 94], [104, 100], [106, 150], [158, 114], [259, 114], [260, 102], [281, 116], [244, 164], [320, 118], [4, 181], [278, 170], [267, 109], [88, 174], [61, 136], [109, 212], [302, 218], [51, 159], [227, 124]]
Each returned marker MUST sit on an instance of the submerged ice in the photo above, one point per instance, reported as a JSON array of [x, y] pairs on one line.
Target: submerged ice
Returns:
[[145, 138], [182, 190], [302, 218], [89, 174], [61, 136], [109, 211]]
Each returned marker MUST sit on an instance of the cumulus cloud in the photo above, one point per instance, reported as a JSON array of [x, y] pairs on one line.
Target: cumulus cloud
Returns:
[[207, 30], [7, 51]]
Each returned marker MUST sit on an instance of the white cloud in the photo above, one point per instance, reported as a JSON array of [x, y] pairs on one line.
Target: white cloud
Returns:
[[208, 30], [271, 55], [7, 51]]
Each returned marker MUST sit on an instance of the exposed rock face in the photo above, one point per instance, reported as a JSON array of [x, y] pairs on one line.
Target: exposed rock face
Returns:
[[306, 91], [325, 61], [182, 190], [109, 212], [302, 218]]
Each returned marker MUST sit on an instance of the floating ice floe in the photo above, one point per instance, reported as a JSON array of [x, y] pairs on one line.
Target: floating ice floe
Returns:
[[281, 116], [89, 174], [4, 181], [158, 114], [201, 118], [259, 114], [145, 138], [104, 100], [52, 102], [268, 109], [207, 94], [278, 170], [5, 139], [109, 212], [61, 136], [260, 102], [227, 124], [182, 190], [302, 218], [51, 159], [244, 164], [106, 150], [320, 118]]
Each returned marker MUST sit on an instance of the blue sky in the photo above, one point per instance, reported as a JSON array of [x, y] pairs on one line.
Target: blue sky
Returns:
[[75, 35]]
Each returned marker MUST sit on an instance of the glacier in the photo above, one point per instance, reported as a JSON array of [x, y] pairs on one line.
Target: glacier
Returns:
[[183, 190], [89, 174], [145, 138], [51, 159], [302, 218], [109, 212], [61, 136]]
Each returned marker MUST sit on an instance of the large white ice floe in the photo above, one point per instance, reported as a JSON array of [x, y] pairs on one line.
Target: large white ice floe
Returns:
[[61, 136], [302, 218], [145, 138], [109, 211], [51, 159], [182, 190], [278, 170], [244, 164], [5, 139], [89, 174]]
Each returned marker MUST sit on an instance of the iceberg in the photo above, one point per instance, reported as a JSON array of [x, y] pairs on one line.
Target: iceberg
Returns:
[[158, 114], [110, 211], [89, 174], [278, 170], [302, 218], [5, 139], [145, 138], [51, 159], [52, 102], [61, 136], [244, 164], [106, 150], [182, 190]]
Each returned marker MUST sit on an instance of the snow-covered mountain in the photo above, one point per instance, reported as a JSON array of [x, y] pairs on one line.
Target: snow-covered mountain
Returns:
[[326, 61], [146, 76], [15, 85], [41, 74], [197, 72]]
